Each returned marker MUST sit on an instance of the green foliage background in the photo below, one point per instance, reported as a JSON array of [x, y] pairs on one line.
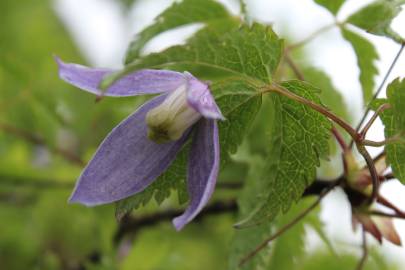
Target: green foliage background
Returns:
[[48, 130]]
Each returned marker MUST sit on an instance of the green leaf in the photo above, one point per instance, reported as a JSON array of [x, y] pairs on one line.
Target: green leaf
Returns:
[[332, 5], [366, 58], [239, 102], [394, 122], [249, 52], [247, 239], [376, 18], [244, 241], [258, 137], [179, 14], [299, 138]]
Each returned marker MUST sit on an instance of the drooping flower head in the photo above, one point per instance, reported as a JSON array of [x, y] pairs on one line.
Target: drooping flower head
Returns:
[[143, 146], [359, 180]]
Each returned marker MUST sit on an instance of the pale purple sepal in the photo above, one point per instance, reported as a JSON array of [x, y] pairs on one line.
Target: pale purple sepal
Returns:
[[126, 162], [145, 81], [199, 97], [203, 169]]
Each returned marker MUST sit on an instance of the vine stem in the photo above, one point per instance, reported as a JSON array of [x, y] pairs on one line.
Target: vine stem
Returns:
[[380, 87], [373, 172], [339, 139], [285, 228]]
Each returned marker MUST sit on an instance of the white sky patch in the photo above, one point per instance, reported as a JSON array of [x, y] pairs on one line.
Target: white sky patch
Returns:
[[98, 28], [170, 38]]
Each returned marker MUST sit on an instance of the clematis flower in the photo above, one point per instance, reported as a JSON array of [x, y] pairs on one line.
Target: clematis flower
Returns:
[[143, 146]]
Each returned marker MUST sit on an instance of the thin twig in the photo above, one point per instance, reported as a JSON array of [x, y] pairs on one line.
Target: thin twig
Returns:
[[21, 181], [285, 228], [293, 66], [35, 139], [363, 259], [394, 139], [382, 214], [311, 36], [380, 87], [132, 225], [373, 118]]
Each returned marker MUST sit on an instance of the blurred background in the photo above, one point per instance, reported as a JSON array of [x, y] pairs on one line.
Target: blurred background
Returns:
[[48, 130]]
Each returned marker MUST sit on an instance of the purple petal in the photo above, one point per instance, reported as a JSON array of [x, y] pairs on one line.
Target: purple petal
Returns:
[[146, 81], [199, 97], [203, 169], [126, 162]]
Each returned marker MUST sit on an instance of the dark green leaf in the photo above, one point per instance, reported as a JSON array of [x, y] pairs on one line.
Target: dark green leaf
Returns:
[[299, 137], [366, 58], [250, 52], [376, 18], [394, 122], [179, 14], [239, 102]]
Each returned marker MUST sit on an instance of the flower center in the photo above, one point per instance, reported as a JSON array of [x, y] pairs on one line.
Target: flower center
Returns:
[[168, 121]]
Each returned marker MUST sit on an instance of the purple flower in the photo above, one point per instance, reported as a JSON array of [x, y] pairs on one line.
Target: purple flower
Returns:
[[143, 146]]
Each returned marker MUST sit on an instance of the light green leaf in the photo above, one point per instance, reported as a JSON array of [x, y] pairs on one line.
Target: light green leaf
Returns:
[[179, 14], [299, 137], [376, 18], [366, 58], [394, 122], [239, 102], [332, 5], [396, 97]]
